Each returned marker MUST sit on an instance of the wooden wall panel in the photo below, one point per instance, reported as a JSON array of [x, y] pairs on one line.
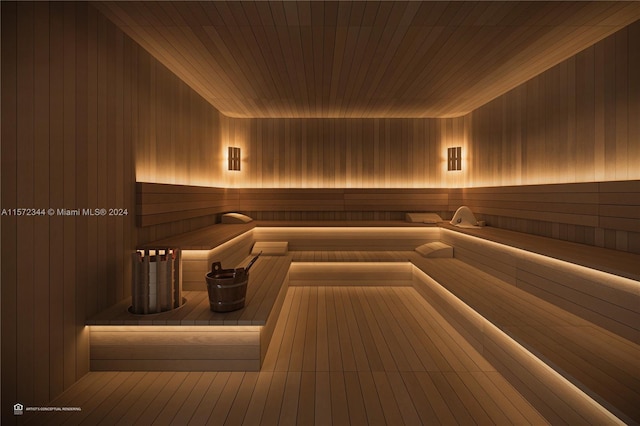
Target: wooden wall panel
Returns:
[[576, 122], [163, 203], [9, 235], [344, 153], [81, 111]]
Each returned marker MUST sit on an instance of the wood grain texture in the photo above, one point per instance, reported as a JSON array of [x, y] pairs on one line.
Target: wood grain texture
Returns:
[[608, 300], [163, 203], [571, 123], [76, 91], [570, 343], [362, 60], [344, 153]]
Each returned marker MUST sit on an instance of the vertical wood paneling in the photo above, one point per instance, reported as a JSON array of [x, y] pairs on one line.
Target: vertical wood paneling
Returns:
[[8, 258], [579, 121], [41, 198], [56, 194], [25, 192], [80, 110], [339, 153], [69, 179], [81, 172]]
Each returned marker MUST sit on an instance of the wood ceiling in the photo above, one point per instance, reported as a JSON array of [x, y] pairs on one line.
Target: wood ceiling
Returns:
[[362, 58]]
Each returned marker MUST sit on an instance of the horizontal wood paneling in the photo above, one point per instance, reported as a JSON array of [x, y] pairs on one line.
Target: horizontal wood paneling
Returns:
[[182, 349], [348, 238], [573, 346], [162, 203], [578, 212], [610, 301]]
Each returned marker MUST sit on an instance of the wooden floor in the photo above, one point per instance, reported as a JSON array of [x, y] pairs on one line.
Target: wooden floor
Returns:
[[339, 355]]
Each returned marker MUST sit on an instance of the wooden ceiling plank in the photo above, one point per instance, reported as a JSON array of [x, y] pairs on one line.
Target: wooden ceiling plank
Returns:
[[278, 13], [211, 13], [297, 61], [291, 13], [304, 13], [224, 10], [336, 67], [329, 40], [252, 14], [330, 13], [429, 13], [344, 13]]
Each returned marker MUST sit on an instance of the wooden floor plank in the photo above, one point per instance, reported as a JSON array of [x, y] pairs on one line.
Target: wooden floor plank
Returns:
[[210, 399], [291, 398], [443, 413], [391, 300], [297, 348], [451, 398], [367, 341], [403, 398], [90, 401], [486, 396], [349, 345], [119, 409], [223, 405], [323, 414], [376, 345], [256, 403], [196, 396], [174, 402], [418, 397], [106, 406], [322, 336], [273, 404], [151, 413], [371, 398], [334, 351], [306, 402], [338, 395], [311, 330], [239, 408], [354, 399], [469, 400], [396, 404]]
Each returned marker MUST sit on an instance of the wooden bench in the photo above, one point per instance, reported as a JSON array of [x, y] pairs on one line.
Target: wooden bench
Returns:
[[198, 338], [599, 362], [606, 291]]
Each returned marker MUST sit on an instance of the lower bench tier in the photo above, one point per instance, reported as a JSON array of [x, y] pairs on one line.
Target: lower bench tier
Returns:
[[176, 348]]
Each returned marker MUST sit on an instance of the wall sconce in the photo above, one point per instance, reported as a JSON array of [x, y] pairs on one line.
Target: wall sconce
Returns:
[[454, 161], [234, 158]]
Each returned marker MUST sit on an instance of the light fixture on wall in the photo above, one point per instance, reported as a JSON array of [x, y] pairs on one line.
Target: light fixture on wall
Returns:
[[454, 158], [234, 158]]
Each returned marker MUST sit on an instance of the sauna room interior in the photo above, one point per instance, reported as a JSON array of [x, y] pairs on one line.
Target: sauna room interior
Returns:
[[445, 196]]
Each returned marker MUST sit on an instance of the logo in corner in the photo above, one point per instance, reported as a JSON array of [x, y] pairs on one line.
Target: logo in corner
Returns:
[[18, 409]]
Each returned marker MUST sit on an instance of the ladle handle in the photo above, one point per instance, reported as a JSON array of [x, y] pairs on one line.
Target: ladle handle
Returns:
[[246, 270]]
